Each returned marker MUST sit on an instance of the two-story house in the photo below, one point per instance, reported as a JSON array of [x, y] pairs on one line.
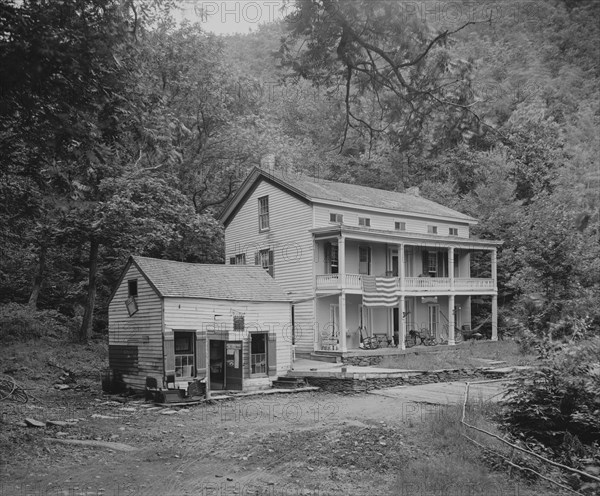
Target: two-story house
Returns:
[[357, 260]]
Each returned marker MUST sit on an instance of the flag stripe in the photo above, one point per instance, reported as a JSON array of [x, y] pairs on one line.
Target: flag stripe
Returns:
[[379, 291]]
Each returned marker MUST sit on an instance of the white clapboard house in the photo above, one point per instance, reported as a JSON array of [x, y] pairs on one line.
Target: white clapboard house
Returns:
[[357, 260], [177, 322]]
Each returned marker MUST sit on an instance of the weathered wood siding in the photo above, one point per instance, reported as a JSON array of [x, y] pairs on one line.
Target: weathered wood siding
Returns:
[[290, 220], [386, 222], [142, 331], [215, 317]]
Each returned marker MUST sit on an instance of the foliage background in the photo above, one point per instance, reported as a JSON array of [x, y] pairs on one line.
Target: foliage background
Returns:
[[124, 132]]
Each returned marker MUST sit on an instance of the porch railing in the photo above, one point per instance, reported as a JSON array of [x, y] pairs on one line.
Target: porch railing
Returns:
[[333, 281], [354, 281], [426, 282], [471, 283]]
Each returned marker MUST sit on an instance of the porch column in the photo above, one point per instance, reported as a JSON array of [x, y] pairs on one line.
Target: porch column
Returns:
[[451, 321], [495, 317], [402, 323], [451, 267], [342, 262], [342, 301], [495, 297], [342, 329], [401, 273]]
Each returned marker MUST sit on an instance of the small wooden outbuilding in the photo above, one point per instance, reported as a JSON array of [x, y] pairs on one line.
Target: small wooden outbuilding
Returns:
[[177, 322]]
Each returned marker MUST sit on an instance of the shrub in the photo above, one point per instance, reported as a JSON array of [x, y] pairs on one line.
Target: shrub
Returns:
[[559, 397], [21, 323]]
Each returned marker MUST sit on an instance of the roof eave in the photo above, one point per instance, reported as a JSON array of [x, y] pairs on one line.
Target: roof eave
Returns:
[[465, 219], [249, 183]]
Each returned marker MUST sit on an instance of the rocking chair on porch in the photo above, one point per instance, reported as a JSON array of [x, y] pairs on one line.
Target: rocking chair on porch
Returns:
[[367, 342]]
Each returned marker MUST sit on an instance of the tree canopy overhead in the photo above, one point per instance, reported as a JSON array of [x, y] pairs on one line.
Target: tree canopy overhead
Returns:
[[124, 131]]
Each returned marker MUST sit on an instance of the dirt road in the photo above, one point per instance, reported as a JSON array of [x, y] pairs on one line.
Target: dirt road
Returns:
[[302, 444]]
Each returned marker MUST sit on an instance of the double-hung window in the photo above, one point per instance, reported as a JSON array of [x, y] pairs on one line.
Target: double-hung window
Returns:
[[263, 213], [184, 354], [258, 353], [239, 259]]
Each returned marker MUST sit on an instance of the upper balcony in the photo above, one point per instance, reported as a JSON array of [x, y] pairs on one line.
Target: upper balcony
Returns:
[[354, 282]]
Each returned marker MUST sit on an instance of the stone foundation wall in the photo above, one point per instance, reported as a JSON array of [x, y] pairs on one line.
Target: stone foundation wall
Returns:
[[347, 385], [363, 361]]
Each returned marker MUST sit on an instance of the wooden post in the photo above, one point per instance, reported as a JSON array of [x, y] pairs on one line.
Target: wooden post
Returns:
[[402, 323], [495, 318], [342, 286], [495, 297], [451, 321], [207, 382], [451, 267], [341, 262], [342, 322], [401, 274]]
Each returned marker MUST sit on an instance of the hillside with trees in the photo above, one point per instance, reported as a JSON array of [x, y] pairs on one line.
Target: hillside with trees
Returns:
[[122, 131]]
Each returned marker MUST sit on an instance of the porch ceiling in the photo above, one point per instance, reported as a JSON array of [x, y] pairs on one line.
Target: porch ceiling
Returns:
[[378, 235]]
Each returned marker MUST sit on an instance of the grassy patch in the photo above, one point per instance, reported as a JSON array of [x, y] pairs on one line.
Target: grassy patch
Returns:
[[472, 354]]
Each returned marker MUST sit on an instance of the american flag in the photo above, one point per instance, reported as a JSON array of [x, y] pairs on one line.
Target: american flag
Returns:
[[379, 291]]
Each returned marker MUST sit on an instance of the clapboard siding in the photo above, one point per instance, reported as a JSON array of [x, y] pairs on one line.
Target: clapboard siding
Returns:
[[216, 318], [143, 330], [290, 220], [414, 223], [305, 323]]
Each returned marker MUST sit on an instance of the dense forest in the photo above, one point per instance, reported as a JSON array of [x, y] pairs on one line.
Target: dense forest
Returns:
[[122, 131], [125, 132]]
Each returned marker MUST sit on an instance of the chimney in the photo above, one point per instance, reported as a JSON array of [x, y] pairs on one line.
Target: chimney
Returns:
[[414, 191], [267, 162]]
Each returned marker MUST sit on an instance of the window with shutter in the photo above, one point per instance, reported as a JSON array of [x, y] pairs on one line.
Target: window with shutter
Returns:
[[266, 261], [258, 353], [331, 259]]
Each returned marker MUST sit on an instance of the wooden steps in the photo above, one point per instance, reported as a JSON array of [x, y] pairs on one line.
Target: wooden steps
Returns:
[[289, 383]]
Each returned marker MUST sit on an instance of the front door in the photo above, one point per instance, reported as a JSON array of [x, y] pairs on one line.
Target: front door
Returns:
[[233, 365], [226, 365], [217, 365], [434, 320]]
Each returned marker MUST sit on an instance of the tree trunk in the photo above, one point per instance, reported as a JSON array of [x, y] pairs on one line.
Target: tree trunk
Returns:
[[86, 326], [38, 278]]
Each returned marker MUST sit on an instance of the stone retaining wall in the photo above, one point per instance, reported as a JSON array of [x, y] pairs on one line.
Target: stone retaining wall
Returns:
[[345, 385]]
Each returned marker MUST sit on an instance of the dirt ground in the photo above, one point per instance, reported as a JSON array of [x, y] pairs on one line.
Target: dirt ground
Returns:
[[311, 443]]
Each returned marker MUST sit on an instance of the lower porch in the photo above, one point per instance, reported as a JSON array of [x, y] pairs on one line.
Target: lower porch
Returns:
[[412, 321]]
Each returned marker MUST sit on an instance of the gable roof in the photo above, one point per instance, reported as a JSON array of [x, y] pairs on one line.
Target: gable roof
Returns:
[[209, 281], [317, 190]]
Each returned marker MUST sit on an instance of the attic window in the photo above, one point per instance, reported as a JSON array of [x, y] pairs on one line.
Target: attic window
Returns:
[[432, 230], [337, 218], [132, 292], [400, 226], [364, 221], [132, 289], [453, 231], [263, 213]]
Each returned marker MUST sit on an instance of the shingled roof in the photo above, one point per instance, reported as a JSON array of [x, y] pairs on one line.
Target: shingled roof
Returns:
[[210, 281], [321, 190]]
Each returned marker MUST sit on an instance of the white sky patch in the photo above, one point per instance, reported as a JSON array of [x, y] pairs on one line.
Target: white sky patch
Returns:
[[232, 16]]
